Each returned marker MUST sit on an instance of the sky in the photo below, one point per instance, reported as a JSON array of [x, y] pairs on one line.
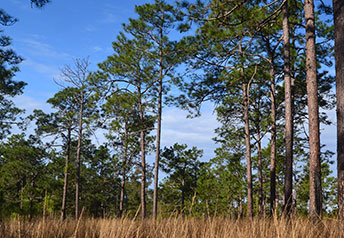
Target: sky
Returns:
[[51, 37]]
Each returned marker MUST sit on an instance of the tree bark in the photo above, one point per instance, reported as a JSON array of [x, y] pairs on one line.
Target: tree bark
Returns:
[[247, 139], [158, 136], [125, 160], [260, 172], [315, 193], [66, 173], [78, 158], [183, 198], [248, 152], [288, 185], [143, 161], [338, 13], [273, 138]]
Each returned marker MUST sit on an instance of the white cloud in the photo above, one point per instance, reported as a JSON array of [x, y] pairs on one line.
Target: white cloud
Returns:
[[193, 132], [109, 18], [41, 68], [90, 28], [329, 132], [97, 48], [29, 104], [37, 48]]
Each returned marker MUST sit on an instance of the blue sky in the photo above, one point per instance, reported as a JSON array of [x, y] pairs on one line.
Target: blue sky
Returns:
[[51, 37]]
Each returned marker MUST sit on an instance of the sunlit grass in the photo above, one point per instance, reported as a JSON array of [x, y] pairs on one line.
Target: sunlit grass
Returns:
[[177, 227]]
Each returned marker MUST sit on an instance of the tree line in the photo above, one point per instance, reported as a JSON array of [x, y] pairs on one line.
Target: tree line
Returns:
[[263, 64]]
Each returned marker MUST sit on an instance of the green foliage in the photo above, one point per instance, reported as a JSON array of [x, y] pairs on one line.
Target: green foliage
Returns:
[[57, 124], [39, 3], [99, 180], [23, 176], [182, 167], [8, 60]]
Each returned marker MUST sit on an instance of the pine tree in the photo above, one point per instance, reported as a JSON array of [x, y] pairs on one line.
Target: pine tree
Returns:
[[338, 12], [59, 125], [133, 71], [122, 123], [288, 187], [313, 113], [182, 167], [155, 22], [78, 76]]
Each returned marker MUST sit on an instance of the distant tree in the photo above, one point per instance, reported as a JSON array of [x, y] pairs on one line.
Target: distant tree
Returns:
[[301, 177], [133, 71], [99, 175], [221, 186], [122, 122], [23, 176], [59, 126], [155, 23], [77, 75], [261, 120], [182, 166]]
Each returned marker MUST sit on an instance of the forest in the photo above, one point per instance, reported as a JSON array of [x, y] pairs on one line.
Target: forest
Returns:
[[272, 69]]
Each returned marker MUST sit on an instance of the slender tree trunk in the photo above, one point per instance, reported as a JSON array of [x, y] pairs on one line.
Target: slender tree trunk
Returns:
[[78, 158], [158, 136], [31, 199], [22, 186], [245, 92], [260, 172], [125, 160], [143, 161], [240, 209], [315, 193], [271, 61], [288, 185], [121, 201], [45, 206], [183, 198], [273, 138], [278, 191], [338, 13], [66, 173], [248, 152]]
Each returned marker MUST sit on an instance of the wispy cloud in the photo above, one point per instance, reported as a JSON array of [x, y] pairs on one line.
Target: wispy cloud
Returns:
[[97, 48], [41, 68], [90, 28], [41, 49], [19, 4], [109, 18], [29, 104]]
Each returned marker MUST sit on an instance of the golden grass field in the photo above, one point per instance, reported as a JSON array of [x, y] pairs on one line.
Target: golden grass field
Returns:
[[174, 228]]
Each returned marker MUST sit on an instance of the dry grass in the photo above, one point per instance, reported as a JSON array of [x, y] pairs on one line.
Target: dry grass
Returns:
[[174, 228]]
